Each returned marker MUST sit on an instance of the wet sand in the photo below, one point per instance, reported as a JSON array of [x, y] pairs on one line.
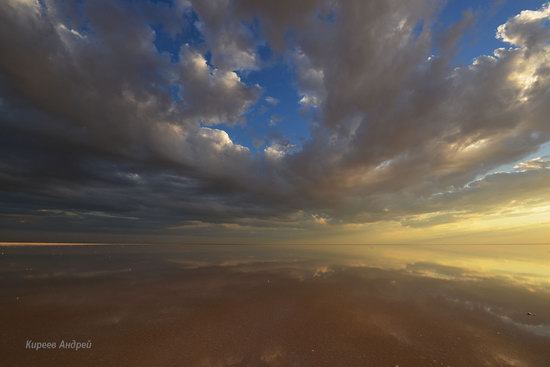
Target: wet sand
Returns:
[[276, 306]]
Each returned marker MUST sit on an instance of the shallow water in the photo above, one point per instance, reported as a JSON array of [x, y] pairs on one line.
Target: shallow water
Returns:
[[276, 305]]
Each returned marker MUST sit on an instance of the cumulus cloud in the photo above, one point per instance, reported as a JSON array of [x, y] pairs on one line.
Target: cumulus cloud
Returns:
[[96, 120], [279, 150], [527, 29], [213, 96], [230, 41]]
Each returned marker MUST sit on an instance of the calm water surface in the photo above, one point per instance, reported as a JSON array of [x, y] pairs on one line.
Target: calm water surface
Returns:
[[276, 305]]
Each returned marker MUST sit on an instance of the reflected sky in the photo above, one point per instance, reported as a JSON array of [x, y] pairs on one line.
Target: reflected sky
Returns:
[[278, 305]]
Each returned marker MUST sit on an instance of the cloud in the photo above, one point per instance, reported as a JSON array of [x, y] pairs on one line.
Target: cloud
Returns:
[[96, 120], [399, 123], [272, 101], [229, 40], [86, 109], [213, 96], [310, 80], [534, 164], [278, 150], [319, 219], [500, 194], [527, 29]]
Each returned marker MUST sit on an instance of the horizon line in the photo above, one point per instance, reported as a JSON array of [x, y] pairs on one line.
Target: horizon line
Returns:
[[70, 243]]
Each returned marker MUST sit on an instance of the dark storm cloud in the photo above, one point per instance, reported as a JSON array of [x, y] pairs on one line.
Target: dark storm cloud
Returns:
[[93, 136]]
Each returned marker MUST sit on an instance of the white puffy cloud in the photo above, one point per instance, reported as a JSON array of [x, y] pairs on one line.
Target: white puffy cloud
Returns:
[[277, 151], [220, 140], [211, 95], [527, 29]]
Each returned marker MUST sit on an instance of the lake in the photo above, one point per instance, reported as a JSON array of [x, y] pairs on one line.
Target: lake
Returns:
[[224, 305]]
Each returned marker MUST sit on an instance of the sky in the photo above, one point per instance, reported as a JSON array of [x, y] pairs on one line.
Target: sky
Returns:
[[315, 121]]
